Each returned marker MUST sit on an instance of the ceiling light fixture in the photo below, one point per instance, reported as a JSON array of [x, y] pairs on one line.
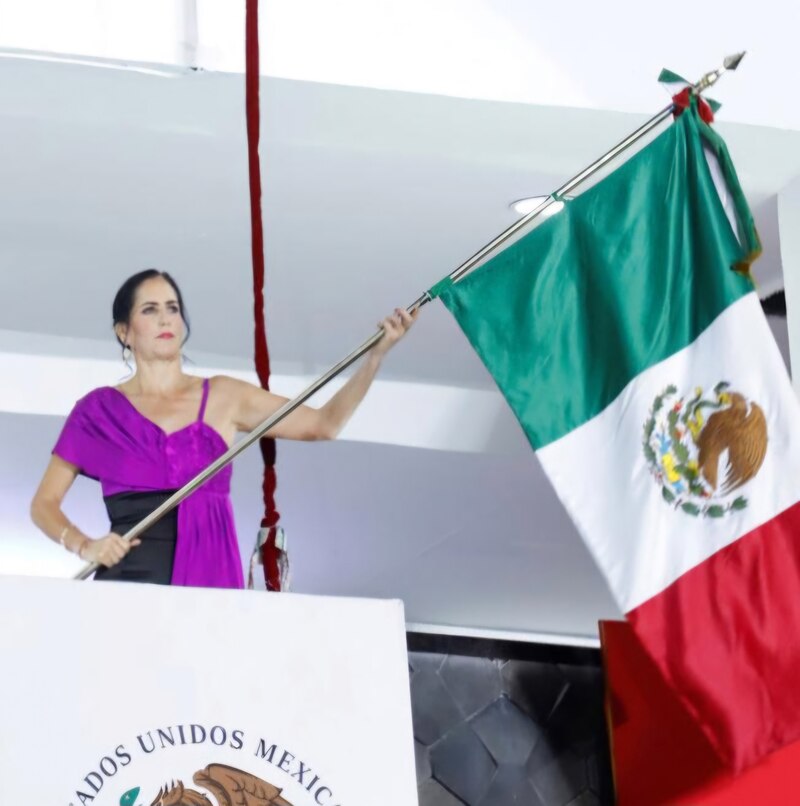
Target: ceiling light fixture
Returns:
[[528, 205], [525, 206]]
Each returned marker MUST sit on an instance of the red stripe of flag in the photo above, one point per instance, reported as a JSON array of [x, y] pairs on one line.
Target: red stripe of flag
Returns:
[[725, 638]]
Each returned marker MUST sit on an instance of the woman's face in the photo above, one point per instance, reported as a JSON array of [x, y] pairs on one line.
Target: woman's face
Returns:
[[156, 328]]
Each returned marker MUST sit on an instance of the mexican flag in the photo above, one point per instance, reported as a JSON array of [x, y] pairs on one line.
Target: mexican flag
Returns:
[[625, 333]]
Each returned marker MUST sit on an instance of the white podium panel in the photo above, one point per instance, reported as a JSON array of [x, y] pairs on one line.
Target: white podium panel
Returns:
[[116, 694]]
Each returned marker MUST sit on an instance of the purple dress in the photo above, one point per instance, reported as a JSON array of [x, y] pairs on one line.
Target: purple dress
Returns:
[[108, 439]]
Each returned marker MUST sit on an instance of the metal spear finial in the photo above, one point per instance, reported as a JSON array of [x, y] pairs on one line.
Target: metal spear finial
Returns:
[[730, 63]]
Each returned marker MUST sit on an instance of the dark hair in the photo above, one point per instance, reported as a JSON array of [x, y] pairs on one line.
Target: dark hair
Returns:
[[123, 301]]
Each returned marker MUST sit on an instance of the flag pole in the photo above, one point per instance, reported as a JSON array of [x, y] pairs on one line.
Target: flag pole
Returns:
[[710, 78]]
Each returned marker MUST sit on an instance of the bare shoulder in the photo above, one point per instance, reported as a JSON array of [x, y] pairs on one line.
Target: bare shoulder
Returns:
[[242, 404], [225, 383], [233, 389]]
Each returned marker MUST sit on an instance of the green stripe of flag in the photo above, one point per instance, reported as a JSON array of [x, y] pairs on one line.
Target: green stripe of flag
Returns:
[[629, 273], [669, 77]]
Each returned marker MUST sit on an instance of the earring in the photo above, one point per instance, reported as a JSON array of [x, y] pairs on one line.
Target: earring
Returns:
[[126, 353]]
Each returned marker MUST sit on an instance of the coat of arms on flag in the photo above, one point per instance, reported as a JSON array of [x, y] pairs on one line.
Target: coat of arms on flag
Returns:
[[703, 449]]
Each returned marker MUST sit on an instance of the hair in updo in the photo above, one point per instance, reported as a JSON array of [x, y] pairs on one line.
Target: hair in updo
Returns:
[[123, 301]]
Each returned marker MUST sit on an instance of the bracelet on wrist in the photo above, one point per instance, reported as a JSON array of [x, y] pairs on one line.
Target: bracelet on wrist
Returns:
[[84, 543], [63, 536]]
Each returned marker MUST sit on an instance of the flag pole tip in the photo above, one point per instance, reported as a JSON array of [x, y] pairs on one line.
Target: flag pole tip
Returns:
[[732, 62]]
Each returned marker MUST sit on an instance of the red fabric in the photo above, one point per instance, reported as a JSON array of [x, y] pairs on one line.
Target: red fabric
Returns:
[[659, 755], [252, 78], [706, 112], [725, 638], [683, 100]]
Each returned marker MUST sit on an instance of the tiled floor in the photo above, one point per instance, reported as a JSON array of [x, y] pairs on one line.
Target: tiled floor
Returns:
[[493, 732]]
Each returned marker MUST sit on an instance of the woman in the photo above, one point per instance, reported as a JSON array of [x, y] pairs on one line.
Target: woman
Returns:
[[151, 434]]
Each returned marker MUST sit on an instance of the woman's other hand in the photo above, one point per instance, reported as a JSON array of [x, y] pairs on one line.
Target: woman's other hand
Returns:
[[108, 550]]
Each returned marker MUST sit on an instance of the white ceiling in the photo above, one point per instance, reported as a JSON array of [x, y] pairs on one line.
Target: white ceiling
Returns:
[[589, 55], [370, 197]]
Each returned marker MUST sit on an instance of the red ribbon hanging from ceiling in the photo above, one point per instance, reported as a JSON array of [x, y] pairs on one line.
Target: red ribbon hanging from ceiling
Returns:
[[270, 552]]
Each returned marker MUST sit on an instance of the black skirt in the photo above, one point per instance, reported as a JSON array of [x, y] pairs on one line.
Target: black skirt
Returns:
[[152, 560]]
